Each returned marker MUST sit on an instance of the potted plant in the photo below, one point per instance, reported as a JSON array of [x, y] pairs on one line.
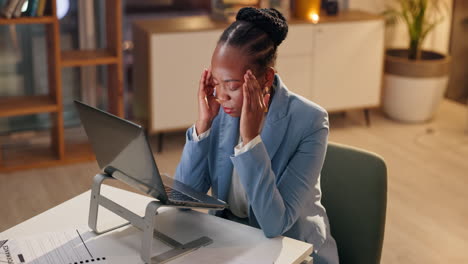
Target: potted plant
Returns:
[[415, 80]]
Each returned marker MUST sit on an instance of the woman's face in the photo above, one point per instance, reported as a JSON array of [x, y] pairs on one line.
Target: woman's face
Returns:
[[228, 66]]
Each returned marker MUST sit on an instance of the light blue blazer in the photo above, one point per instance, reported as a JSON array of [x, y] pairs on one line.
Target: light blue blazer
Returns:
[[281, 175]]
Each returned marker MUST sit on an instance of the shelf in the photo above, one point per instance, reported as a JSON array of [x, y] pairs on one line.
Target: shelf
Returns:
[[27, 151], [88, 57], [23, 156], [28, 20], [77, 147], [40, 158], [78, 152], [60, 145], [43, 157], [25, 105]]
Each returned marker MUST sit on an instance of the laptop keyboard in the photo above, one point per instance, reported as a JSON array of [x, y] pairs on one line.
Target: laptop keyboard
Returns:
[[178, 196]]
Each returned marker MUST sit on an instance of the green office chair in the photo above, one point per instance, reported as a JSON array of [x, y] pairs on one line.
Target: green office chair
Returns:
[[354, 193]]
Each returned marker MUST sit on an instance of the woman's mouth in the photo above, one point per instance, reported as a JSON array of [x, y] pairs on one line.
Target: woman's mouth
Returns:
[[227, 110]]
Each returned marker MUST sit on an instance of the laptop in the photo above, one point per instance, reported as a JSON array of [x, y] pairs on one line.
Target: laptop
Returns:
[[122, 150]]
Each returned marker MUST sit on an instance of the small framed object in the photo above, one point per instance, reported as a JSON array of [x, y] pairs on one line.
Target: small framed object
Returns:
[[226, 10], [281, 5], [331, 7]]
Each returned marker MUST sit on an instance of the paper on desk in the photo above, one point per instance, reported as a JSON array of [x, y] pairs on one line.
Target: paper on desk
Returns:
[[53, 248], [76, 246]]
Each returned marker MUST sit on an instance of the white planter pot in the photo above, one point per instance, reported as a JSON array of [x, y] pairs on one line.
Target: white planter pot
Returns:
[[410, 99], [413, 89]]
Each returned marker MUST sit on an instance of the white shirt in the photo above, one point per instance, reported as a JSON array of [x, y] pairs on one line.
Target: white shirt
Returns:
[[237, 198]]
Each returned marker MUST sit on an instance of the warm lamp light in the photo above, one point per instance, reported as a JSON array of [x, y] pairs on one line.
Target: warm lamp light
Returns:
[[308, 9], [314, 18]]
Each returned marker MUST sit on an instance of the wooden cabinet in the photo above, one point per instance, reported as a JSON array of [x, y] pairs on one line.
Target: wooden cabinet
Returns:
[[294, 63], [336, 63], [174, 97], [60, 151], [348, 65], [343, 68]]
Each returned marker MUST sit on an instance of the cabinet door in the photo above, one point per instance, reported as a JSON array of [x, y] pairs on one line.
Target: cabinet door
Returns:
[[294, 62], [296, 73], [177, 61], [348, 63]]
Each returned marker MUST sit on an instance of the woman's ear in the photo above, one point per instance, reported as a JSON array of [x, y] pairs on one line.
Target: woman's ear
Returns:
[[269, 77]]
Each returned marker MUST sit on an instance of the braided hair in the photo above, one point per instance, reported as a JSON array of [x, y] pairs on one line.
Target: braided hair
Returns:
[[259, 32]]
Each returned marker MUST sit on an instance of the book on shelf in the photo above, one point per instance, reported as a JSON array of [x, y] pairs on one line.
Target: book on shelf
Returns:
[[32, 8], [19, 7], [9, 8], [13, 8], [41, 7]]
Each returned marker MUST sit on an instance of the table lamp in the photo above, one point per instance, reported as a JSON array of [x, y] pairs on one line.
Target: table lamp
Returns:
[[308, 9]]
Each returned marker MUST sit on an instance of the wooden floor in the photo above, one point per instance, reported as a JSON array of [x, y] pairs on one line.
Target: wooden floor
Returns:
[[427, 214]]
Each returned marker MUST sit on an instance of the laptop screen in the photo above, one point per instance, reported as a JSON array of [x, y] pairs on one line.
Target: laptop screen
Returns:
[[120, 145]]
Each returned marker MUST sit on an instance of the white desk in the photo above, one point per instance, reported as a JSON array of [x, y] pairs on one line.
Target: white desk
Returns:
[[232, 242]]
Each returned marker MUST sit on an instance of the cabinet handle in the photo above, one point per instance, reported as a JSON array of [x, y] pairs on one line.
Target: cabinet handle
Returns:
[[465, 21]]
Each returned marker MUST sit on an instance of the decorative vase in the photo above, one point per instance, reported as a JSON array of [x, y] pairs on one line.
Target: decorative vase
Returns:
[[413, 89]]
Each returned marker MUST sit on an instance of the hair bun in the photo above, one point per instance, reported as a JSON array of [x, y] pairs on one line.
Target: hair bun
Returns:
[[269, 20]]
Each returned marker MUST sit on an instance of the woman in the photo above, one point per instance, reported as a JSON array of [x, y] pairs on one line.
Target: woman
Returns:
[[263, 151]]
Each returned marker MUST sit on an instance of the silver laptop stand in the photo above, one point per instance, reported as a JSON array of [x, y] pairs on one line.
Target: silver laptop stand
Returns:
[[146, 224]]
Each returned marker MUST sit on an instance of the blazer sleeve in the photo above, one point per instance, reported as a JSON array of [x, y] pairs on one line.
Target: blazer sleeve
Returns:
[[193, 166], [283, 201]]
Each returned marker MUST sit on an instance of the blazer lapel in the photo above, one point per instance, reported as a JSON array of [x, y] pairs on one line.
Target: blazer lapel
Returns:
[[276, 122], [228, 139]]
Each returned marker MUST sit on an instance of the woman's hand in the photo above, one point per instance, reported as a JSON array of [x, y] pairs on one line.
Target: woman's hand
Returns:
[[208, 107], [253, 109]]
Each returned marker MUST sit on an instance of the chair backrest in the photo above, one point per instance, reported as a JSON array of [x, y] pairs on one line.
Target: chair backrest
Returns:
[[354, 193]]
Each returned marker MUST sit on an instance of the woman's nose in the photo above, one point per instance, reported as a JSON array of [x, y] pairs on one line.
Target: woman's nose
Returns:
[[221, 95]]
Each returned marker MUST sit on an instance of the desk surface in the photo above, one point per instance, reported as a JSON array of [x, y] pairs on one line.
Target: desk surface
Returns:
[[232, 242]]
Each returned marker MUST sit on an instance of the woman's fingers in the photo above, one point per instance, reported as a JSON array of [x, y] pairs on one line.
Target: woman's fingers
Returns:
[[213, 105], [207, 107], [253, 107], [255, 94], [201, 85], [266, 100], [209, 87], [207, 82], [205, 89], [249, 92], [250, 86], [246, 103], [208, 76], [258, 93]]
